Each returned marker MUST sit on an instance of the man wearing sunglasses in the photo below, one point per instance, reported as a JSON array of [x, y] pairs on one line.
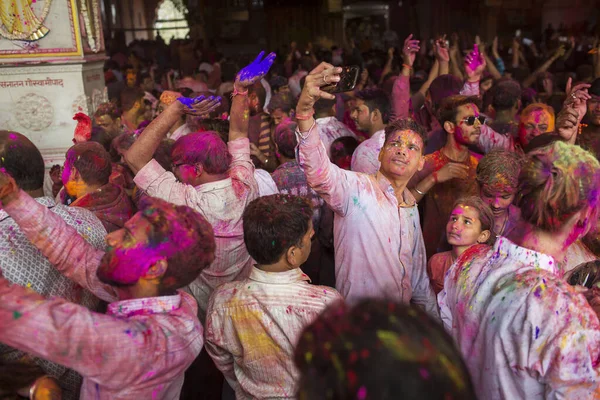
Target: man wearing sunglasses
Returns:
[[450, 172]]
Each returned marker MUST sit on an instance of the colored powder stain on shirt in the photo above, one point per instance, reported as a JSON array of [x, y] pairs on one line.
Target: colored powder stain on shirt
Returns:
[[424, 373], [538, 292], [17, 315], [537, 332]]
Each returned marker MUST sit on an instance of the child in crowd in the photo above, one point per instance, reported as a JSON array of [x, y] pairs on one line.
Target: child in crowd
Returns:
[[471, 222]]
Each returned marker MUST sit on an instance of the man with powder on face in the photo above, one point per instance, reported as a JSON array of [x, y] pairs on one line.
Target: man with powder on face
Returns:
[[214, 178], [150, 334], [448, 173], [379, 250]]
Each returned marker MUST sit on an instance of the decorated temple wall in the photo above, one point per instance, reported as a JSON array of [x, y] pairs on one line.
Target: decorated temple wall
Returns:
[[51, 59]]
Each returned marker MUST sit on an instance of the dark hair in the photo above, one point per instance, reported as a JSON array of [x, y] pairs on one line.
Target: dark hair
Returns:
[[206, 148], [376, 99], [15, 375], [485, 214], [449, 107], [181, 234], [595, 88], [342, 149], [506, 95], [442, 87], [109, 109], [99, 135], [129, 96], [22, 160], [259, 91], [323, 106], [285, 139], [406, 124], [379, 350], [557, 181], [273, 224], [92, 162], [281, 101]]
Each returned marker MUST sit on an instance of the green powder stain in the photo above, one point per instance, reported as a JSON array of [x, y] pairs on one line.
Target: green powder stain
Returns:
[[17, 315]]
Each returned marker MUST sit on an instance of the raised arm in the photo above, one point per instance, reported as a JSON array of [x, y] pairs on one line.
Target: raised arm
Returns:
[[248, 76], [475, 64], [573, 111], [388, 65], [401, 90], [544, 67], [143, 149], [329, 181], [60, 243], [100, 347]]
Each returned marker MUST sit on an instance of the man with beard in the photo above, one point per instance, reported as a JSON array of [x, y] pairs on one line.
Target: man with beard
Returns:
[[371, 115], [150, 334], [448, 173], [379, 249]]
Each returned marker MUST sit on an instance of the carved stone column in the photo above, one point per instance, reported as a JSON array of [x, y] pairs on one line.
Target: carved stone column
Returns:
[[44, 82]]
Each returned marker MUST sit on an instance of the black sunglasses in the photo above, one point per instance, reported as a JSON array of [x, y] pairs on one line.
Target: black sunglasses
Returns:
[[470, 121]]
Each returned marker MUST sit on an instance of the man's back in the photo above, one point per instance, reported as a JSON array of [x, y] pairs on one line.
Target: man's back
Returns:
[[222, 203], [522, 330], [252, 327], [24, 265]]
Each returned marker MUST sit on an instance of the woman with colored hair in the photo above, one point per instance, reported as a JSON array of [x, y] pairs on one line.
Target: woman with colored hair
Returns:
[[524, 332]]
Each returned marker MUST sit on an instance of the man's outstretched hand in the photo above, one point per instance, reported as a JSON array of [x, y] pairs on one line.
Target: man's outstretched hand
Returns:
[[254, 71], [199, 106]]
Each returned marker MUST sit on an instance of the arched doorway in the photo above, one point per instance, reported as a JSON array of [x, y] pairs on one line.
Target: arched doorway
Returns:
[[170, 20]]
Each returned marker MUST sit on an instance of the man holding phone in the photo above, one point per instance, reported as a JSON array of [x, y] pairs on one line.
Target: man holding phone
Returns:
[[379, 250]]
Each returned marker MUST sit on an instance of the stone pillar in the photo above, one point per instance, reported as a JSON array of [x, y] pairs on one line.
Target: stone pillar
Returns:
[[51, 71]]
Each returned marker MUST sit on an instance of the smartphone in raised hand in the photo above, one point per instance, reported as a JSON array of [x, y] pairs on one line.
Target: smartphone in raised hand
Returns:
[[347, 82]]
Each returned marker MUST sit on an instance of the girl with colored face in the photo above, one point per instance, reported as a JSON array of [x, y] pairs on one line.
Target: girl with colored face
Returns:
[[470, 223]]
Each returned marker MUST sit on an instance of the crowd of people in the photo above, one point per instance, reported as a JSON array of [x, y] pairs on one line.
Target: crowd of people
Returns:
[[238, 229]]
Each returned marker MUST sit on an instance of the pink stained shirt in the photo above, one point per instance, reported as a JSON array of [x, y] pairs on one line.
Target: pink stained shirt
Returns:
[[222, 203], [523, 331], [252, 327], [139, 350], [331, 129], [379, 250], [365, 158]]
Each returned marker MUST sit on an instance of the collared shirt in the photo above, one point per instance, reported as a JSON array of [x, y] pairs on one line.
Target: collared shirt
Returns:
[[222, 203], [379, 250], [522, 330], [365, 158], [23, 264], [266, 184], [180, 132], [291, 179], [139, 350], [252, 327], [330, 129]]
